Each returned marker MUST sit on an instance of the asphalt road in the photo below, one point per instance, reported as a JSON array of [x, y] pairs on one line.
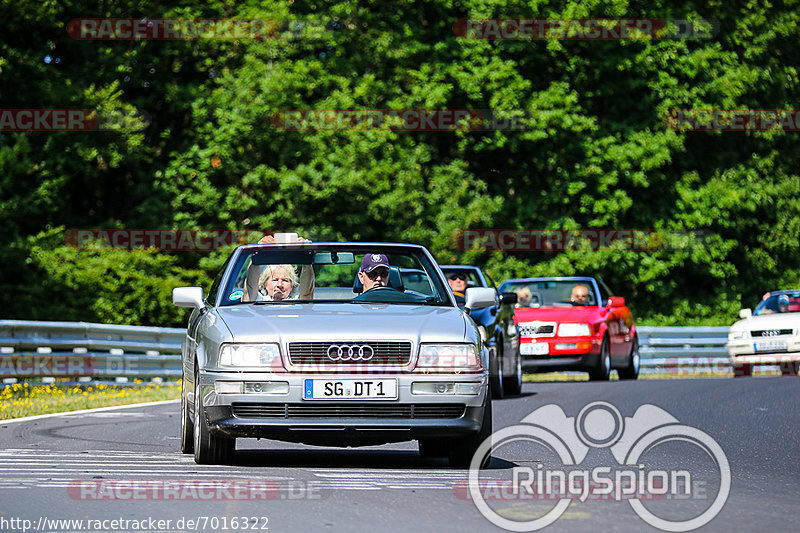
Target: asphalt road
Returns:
[[124, 465]]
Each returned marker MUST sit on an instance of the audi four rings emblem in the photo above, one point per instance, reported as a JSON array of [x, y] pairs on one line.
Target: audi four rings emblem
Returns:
[[350, 352]]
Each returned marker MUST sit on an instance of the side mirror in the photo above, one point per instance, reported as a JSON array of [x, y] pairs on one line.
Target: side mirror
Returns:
[[745, 313], [616, 301], [508, 298], [188, 297], [479, 297]]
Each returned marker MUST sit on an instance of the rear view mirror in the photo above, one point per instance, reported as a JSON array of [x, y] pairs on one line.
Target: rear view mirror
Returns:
[[188, 297], [479, 297], [745, 313], [334, 258]]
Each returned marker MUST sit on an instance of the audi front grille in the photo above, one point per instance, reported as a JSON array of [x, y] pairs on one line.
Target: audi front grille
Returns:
[[384, 353], [348, 410], [770, 332]]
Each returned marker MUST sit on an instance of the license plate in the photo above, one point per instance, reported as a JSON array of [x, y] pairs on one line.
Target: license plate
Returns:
[[350, 389], [771, 345], [534, 348]]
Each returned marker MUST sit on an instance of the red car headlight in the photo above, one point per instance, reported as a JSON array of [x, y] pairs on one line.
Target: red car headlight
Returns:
[[574, 330]]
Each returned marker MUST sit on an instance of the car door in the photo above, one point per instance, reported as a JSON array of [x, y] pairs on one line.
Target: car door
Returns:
[[505, 322], [619, 324]]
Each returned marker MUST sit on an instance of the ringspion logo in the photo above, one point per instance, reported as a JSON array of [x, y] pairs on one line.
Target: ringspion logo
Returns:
[[677, 494]]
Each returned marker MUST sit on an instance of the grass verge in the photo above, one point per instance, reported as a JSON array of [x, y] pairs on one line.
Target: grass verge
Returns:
[[29, 399]]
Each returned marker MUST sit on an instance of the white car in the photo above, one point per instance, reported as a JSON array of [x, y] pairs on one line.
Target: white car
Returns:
[[770, 335]]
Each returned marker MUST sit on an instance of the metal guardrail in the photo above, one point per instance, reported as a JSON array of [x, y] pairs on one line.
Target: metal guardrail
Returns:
[[31, 349], [684, 350]]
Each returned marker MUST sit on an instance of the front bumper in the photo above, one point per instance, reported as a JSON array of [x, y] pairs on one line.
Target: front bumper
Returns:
[[343, 422], [563, 353], [789, 349]]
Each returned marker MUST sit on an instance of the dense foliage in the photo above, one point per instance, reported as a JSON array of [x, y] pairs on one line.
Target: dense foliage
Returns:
[[595, 151]]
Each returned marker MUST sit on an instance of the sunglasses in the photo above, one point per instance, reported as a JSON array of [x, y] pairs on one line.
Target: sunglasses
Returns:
[[382, 272], [458, 276]]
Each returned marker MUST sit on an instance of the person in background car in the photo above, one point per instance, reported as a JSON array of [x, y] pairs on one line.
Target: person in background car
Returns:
[[775, 305], [524, 297], [579, 295], [458, 283]]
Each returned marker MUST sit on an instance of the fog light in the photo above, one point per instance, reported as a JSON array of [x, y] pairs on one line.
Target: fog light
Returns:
[[468, 388], [566, 346], [267, 387], [445, 388], [433, 388], [228, 387]]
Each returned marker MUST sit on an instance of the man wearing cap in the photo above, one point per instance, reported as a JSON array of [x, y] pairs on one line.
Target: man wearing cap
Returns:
[[374, 271], [458, 283]]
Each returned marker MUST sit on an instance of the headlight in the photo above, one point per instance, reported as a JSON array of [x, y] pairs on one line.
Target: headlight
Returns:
[[740, 334], [449, 357], [249, 355], [574, 330]]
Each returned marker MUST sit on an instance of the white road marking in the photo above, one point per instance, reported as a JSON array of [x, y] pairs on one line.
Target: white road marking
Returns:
[[23, 469]]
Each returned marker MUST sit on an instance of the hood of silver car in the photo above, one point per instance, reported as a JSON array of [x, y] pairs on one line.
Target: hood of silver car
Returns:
[[769, 321], [344, 322]]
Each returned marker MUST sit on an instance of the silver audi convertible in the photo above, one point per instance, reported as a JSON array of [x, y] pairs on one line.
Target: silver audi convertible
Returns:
[[321, 343]]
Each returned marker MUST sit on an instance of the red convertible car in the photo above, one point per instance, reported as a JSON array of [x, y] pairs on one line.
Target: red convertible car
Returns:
[[574, 323]]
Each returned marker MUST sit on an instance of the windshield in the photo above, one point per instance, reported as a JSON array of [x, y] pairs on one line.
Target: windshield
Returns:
[[271, 275], [551, 293], [473, 280], [779, 303]]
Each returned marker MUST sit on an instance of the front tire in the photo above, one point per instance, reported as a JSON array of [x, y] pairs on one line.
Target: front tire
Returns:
[[433, 448], [513, 384], [602, 369], [742, 370], [187, 426], [209, 449], [462, 449], [496, 376], [632, 370]]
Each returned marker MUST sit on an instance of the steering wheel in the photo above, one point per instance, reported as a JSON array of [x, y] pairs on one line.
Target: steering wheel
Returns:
[[377, 294], [381, 288]]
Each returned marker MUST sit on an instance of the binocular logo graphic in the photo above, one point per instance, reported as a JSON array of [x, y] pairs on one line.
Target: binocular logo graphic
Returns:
[[600, 425]]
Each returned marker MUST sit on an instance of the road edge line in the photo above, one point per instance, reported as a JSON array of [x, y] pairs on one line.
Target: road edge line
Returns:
[[83, 411]]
